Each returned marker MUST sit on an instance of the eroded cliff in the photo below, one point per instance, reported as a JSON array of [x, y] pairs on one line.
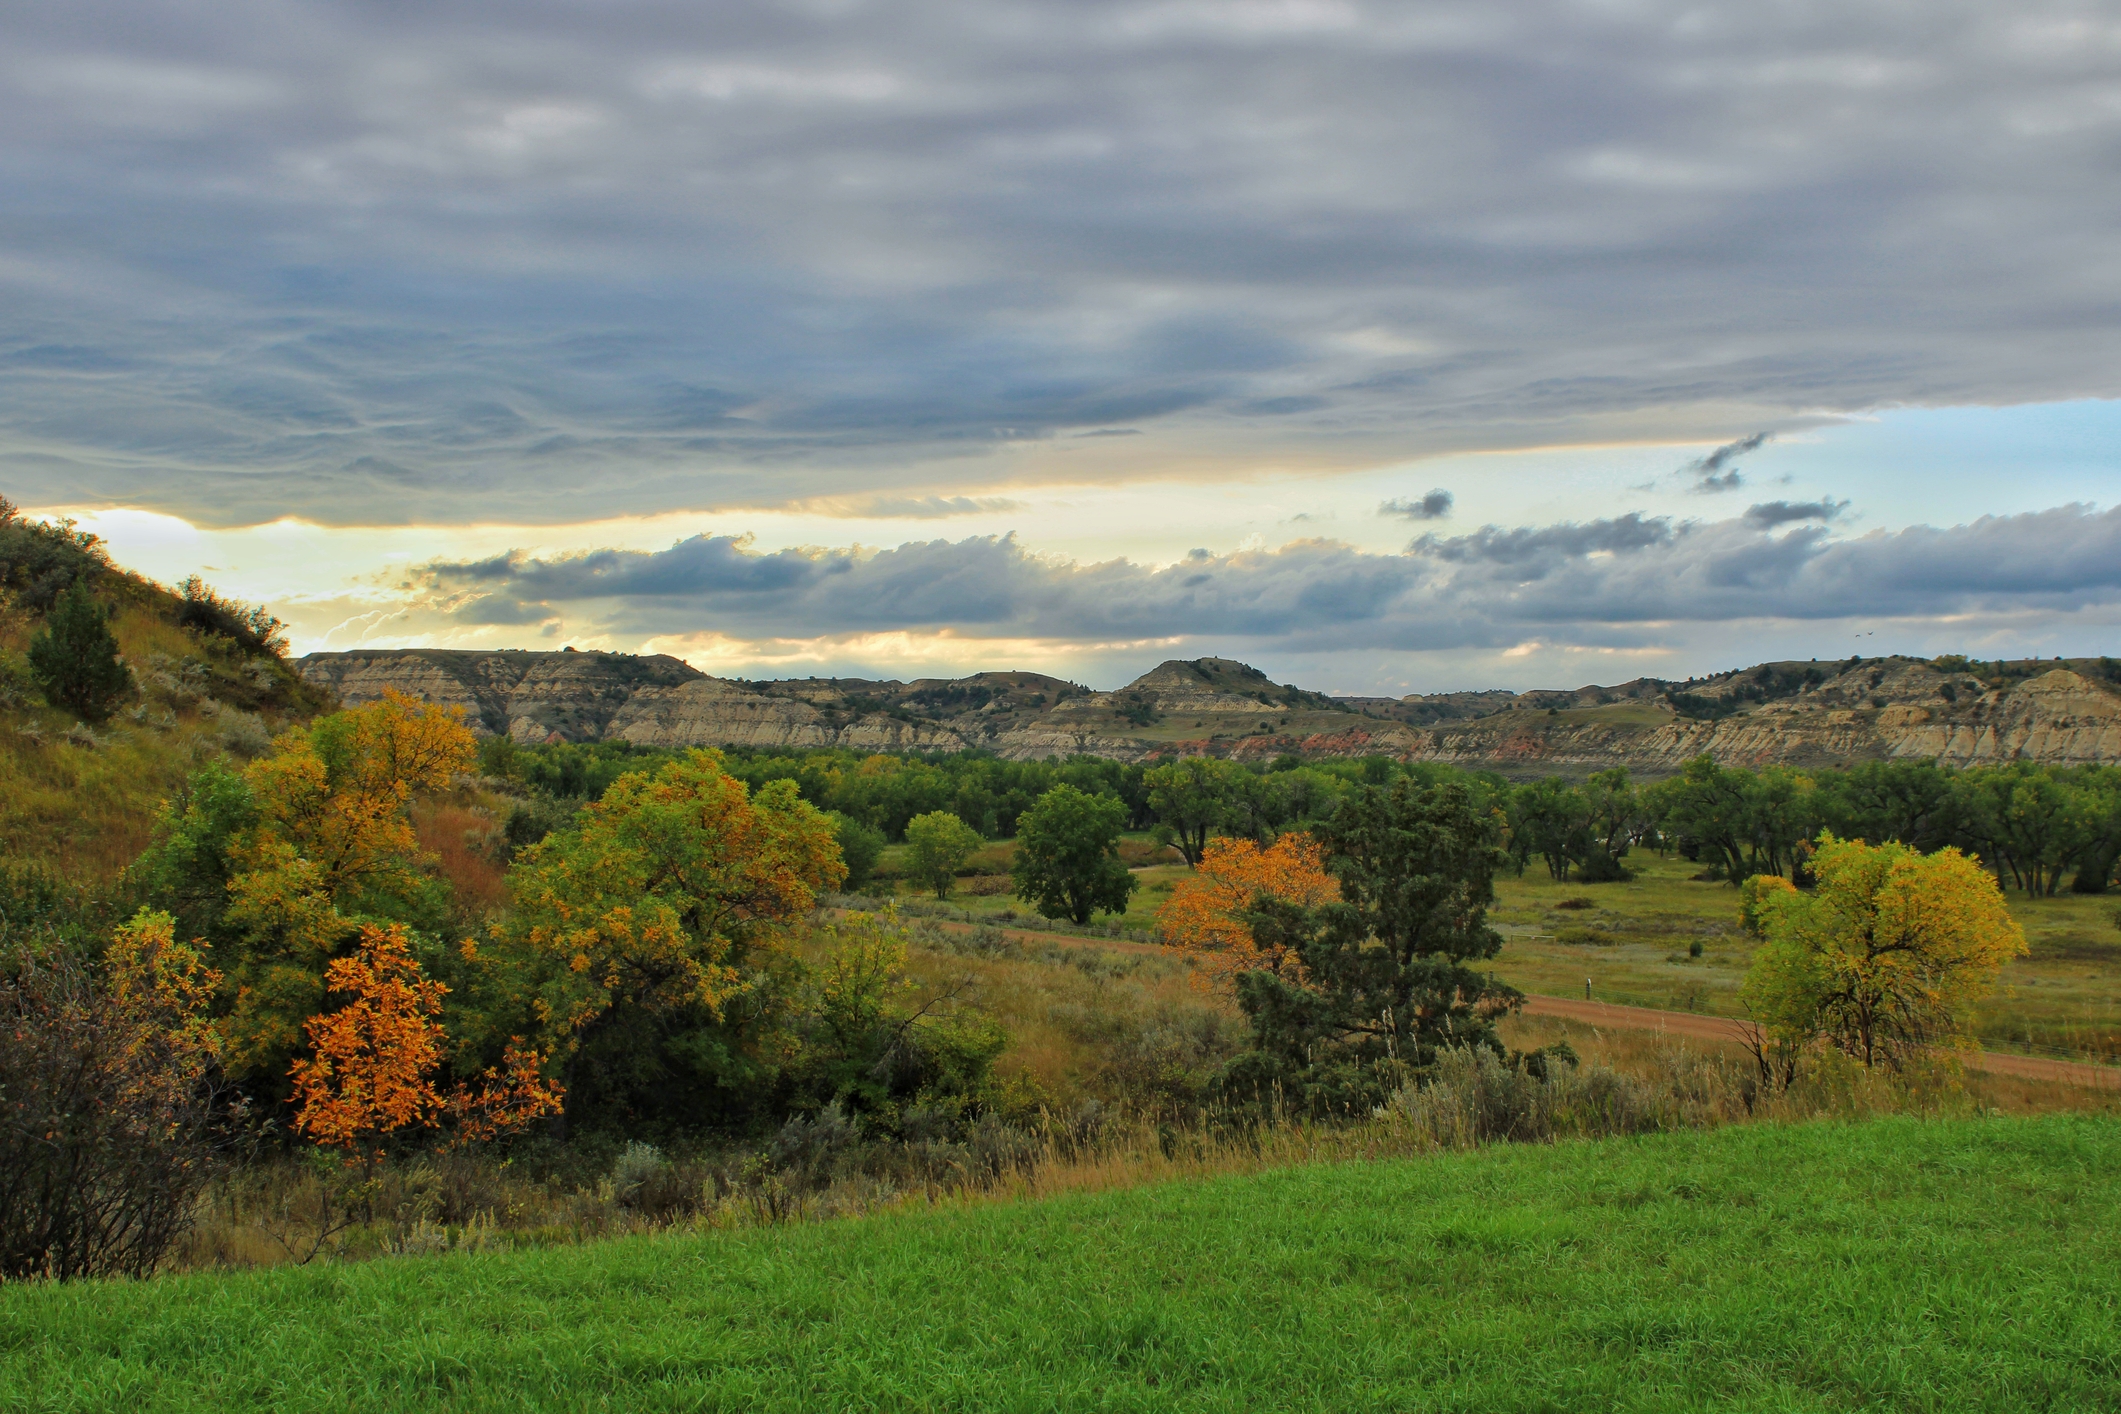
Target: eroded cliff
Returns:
[[1788, 713]]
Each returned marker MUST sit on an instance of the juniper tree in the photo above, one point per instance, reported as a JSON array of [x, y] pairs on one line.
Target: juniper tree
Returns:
[[75, 658]]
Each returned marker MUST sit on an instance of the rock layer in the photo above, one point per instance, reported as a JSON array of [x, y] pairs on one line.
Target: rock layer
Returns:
[[1793, 714]]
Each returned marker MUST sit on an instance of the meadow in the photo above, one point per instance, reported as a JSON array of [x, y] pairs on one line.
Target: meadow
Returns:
[[1897, 1263], [1632, 942]]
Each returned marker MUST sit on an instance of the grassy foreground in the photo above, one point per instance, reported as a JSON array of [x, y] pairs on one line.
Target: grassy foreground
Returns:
[[1899, 1264]]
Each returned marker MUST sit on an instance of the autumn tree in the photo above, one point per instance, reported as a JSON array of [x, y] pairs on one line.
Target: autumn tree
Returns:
[[370, 1076], [642, 932], [1210, 916], [1067, 861], [1193, 796], [1888, 954], [281, 864], [937, 844]]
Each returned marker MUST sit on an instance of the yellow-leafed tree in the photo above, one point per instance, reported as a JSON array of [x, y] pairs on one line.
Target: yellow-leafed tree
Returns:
[[1889, 954]]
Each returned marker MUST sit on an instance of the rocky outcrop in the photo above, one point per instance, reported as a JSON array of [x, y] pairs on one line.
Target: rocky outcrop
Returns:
[[1780, 713]]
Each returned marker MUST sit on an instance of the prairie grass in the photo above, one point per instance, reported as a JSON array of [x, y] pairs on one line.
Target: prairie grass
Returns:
[[1632, 945], [1960, 1264]]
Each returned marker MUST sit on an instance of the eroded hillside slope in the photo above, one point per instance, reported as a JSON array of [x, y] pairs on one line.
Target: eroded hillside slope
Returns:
[[1793, 713]]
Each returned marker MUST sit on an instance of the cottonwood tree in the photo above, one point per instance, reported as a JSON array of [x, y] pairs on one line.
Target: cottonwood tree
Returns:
[[1067, 861], [646, 935], [937, 845], [1193, 796], [1886, 956]]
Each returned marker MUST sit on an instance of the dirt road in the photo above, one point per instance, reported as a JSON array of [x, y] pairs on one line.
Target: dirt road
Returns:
[[1718, 1028]]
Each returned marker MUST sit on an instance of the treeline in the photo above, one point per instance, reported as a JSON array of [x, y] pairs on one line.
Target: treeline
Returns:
[[2038, 828]]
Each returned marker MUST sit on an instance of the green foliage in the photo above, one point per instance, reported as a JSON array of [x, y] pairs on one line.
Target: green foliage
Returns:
[[1193, 796], [1386, 976], [860, 847], [937, 844], [1067, 856], [75, 658]]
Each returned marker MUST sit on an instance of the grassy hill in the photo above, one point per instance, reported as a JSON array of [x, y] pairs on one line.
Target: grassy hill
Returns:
[[1894, 1264], [209, 679]]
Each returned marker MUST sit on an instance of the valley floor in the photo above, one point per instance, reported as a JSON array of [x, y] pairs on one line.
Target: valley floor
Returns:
[[1898, 1263]]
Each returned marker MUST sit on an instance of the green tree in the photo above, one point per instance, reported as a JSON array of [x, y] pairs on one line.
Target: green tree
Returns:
[[75, 658], [1067, 855], [1384, 977], [860, 847], [936, 844], [1192, 796]]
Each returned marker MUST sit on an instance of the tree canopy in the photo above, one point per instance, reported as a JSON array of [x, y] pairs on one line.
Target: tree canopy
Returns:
[[1067, 855]]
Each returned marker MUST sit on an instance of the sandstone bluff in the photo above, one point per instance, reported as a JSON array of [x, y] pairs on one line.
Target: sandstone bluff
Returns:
[[1801, 714]]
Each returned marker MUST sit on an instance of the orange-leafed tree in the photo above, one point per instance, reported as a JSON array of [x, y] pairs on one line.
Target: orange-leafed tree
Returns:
[[370, 1076], [1211, 917]]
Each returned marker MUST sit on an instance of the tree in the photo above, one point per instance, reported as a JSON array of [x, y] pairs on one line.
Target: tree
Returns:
[[371, 1073], [1888, 954], [1067, 855], [324, 843], [75, 658], [860, 848], [1209, 916], [936, 844], [1385, 975], [1193, 795], [639, 928]]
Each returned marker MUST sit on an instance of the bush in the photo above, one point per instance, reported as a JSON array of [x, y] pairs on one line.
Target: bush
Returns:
[[106, 1118]]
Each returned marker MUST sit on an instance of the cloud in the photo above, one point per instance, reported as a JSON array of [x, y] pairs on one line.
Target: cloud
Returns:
[[623, 261], [1716, 471], [1625, 578], [906, 507], [1434, 506], [1768, 514]]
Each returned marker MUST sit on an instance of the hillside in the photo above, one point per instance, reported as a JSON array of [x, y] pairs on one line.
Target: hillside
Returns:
[[1904, 1264], [208, 681], [1804, 714]]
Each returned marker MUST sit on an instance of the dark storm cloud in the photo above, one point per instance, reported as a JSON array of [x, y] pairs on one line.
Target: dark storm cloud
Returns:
[[388, 262], [1490, 588]]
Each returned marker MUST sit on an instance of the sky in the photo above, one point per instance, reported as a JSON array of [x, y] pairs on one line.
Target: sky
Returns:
[[1391, 348]]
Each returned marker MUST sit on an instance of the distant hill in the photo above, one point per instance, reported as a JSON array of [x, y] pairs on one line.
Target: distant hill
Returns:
[[1795, 713]]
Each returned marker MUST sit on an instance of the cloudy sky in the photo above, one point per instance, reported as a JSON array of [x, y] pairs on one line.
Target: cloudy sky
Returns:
[[1391, 347]]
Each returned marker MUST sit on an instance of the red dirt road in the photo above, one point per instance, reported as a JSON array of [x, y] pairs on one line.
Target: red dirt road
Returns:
[[1719, 1028]]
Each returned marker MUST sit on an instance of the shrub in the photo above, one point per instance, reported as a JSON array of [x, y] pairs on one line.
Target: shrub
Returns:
[[106, 1108]]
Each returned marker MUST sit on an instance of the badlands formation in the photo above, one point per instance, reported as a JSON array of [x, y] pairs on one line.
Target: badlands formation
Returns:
[[1802, 714]]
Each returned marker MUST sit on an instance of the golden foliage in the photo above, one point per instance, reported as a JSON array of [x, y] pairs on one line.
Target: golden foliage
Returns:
[[1890, 951], [333, 820], [654, 898], [1205, 916], [370, 1074], [159, 991]]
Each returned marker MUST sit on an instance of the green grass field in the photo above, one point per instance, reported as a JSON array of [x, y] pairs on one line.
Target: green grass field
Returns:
[[1898, 1264]]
